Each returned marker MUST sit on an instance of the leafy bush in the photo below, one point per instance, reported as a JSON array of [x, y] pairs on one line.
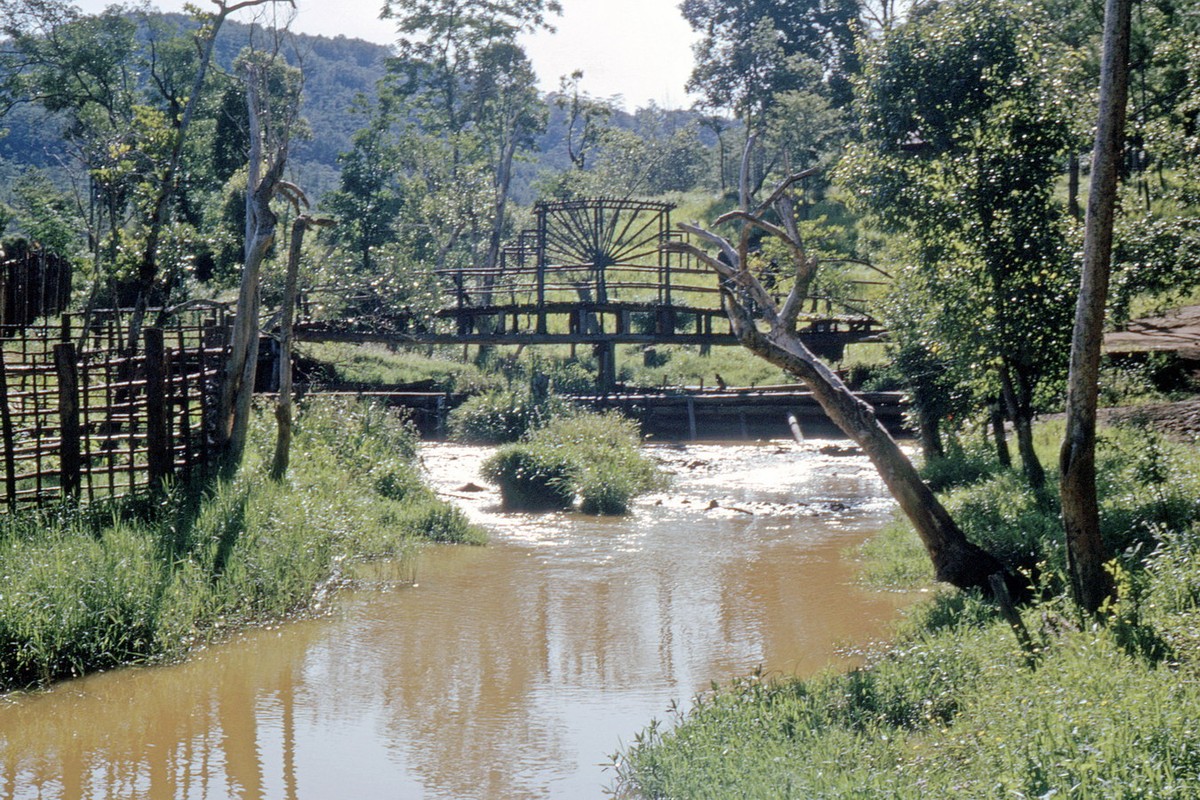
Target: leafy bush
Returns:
[[531, 479], [502, 416], [594, 456]]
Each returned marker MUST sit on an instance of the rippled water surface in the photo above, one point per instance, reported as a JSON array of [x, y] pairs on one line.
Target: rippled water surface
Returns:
[[510, 671]]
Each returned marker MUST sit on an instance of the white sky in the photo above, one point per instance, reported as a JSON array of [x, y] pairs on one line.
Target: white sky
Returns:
[[637, 49]]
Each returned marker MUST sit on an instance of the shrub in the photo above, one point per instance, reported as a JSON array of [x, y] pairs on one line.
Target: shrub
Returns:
[[502, 416], [594, 456], [531, 479]]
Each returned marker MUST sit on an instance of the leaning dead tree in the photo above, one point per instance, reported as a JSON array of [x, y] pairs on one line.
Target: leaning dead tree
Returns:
[[769, 330]]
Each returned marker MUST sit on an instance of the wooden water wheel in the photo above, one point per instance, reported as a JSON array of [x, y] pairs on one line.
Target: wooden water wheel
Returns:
[[582, 241]]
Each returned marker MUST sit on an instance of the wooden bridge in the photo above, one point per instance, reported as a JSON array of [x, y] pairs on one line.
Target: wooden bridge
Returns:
[[591, 272]]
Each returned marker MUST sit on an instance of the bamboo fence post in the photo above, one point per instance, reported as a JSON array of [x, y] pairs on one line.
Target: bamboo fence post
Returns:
[[10, 464], [70, 464], [158, 441]]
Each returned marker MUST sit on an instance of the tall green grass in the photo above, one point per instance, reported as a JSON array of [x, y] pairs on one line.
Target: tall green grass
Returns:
[[955, 708], [86, 591]]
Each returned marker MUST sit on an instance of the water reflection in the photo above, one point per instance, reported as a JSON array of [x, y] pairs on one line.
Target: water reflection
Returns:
[[505, 672]]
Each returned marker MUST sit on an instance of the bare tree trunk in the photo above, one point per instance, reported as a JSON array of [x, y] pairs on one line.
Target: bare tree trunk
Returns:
[[283, 406], [955, 560], [1086, 554], [996, 413], [238, 386], [1017, 398], [930, 434]]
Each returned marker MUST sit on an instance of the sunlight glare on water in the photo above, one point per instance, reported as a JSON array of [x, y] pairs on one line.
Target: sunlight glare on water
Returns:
[[509, 671]]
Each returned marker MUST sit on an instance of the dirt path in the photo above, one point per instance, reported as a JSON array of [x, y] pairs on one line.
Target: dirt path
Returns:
[[1176, 331]]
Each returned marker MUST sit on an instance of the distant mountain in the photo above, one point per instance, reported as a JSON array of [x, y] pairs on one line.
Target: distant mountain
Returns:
[[336, 70]]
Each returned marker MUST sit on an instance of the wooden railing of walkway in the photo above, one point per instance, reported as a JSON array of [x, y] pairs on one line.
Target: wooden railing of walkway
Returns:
[[83, 419], [597, 272]]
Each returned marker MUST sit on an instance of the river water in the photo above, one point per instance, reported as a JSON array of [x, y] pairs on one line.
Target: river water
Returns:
[[508, 671]]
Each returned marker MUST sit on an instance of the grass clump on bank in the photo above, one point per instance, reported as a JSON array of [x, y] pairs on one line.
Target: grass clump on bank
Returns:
[[82, 591], [504, 415], [956, 708], [589, 455]]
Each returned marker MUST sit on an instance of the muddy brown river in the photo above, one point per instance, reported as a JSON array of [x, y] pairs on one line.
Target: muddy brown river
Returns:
[[510, 671]]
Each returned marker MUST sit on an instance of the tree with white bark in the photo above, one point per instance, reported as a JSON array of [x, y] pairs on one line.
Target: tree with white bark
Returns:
[[770, 330]]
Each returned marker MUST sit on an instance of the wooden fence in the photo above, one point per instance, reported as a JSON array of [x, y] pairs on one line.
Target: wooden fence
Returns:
[[82, 419]]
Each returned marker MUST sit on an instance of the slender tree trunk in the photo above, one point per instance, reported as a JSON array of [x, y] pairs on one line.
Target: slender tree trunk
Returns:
[[283, 405], [1020, 410], [238, 386], [996, 412], [1086, 554], [929, 432]]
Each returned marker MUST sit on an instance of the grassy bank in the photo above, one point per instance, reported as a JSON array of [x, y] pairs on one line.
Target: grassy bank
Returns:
[[955, 707], [86, 591]]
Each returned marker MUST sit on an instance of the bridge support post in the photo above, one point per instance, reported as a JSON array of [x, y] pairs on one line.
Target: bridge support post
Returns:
[[606, 366]]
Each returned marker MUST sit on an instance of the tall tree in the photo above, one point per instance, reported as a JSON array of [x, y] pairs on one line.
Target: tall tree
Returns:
[[1086, 553], [272, 108], [463, 90], [964, 129], [751, 50]]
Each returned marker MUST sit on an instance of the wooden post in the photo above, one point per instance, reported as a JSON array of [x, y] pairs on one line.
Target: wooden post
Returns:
[[540, 267], [70, 463], [160, 461], [441, 418], [10, 466]]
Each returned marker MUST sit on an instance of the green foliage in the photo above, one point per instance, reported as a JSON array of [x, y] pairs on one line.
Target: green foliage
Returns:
[[754, 50], [45, 214], [964, 464], [531, 479], [502, 416], [379, 366], [594, 456], [1154, 256], [86, 591], [675, 365], [965, 122]]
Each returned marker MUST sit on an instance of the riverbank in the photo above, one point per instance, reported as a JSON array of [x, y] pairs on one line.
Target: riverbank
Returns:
[[507, 671], [956, 707], [85, 591]]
